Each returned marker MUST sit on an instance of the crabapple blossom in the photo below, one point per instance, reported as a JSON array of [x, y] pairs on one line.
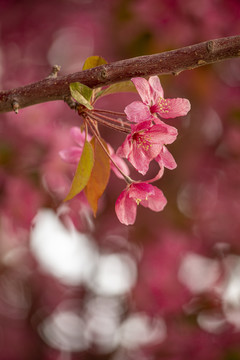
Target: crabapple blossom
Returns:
[[138, 193], [73, 154], [152, 95], [145, 143], [147, 137], [165, 159]]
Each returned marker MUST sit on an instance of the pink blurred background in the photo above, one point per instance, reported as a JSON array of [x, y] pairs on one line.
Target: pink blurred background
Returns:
[[77, 287]]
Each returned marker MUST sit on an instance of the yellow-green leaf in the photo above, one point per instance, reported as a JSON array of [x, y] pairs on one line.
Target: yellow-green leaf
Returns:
[[124, 86], [83, 171], [82, 94], [93, 61], [99, 176]]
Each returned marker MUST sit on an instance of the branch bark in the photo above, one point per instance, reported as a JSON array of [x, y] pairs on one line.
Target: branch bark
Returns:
[[170, 62]]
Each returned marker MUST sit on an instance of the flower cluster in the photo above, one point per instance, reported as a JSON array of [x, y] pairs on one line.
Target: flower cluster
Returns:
[[146, 140]]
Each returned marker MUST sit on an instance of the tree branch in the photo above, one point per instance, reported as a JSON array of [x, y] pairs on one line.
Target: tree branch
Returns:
[[170, 62]]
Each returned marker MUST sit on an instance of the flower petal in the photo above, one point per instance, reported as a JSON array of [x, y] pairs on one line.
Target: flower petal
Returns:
[[139, 191], [126, 147], [137, 112], [156, 88], [148, 196], [143, 89], [146, 144], [71, 155], [119, 161], [121, 164], [171, 108], [162, 133], [144, 125], [140, 158], [126, 208], [156, 201], [166, 159]]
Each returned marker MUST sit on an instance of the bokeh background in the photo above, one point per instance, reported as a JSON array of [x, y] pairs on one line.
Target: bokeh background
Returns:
[[77, 287]]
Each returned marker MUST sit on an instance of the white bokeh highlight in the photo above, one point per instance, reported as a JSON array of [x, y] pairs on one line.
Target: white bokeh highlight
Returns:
[[64, 253], [64, 330], [198, 273], [115, 274]]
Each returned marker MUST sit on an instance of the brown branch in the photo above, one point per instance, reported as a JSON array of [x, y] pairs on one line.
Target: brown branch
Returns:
[[170, 62]]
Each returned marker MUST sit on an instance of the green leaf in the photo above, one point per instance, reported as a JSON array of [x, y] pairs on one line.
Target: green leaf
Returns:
[[97, 92], [83, 171], [82, 94], [99, 176], [93, 61], [124, 86]]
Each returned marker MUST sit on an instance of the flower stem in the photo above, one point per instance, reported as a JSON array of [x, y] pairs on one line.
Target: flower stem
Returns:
[[100, 114], [106, 123], [96, 134], [110, 112]]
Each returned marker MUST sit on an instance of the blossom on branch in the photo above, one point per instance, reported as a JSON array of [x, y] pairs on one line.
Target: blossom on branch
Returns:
[[145, 143], [138, 193], [147, 137], [152, 95]]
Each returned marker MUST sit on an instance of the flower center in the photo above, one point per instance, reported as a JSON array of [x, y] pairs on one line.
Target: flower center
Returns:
[[141, 140], [138, 201]]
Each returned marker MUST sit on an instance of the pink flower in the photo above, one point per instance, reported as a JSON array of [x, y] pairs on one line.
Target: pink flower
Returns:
[[146, 143], [138, 193], [151, 93], [165, 159], [119, 162], [73, 154]]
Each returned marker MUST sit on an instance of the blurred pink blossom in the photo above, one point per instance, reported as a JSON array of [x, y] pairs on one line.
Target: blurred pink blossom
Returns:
[[72, 155]]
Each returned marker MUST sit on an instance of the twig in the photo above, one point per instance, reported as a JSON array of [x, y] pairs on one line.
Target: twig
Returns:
[[170, 62], [54, 72]]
